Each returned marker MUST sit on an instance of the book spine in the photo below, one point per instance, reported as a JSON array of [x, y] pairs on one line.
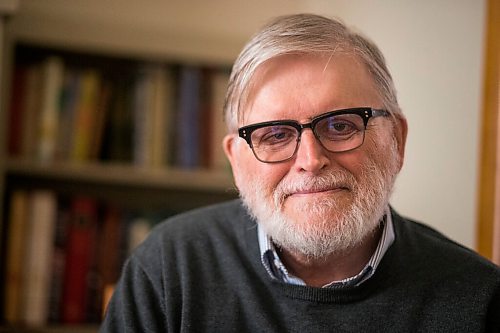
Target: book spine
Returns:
[[219, 85], [16, 111], [81, 236], [31, 111], [188, 118], [67, 113], [161, 99], [53, 72], [83, 126], [59, 260], [14, 279], [37, 272]]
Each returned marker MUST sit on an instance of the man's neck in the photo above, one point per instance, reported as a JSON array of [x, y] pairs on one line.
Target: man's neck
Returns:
[[335, 267]]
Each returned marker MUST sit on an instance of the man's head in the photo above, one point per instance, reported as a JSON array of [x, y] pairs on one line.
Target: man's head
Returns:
[[327, 193]]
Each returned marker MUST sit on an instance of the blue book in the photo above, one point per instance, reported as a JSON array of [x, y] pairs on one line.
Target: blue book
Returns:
[[188, 140]]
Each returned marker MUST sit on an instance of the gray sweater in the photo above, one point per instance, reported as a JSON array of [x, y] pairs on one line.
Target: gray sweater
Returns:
[[201, 272]]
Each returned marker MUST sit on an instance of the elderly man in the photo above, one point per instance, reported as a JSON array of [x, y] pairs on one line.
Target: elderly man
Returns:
[[315, 140]]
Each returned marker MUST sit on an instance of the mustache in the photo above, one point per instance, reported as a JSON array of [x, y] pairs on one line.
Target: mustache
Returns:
[[326, 181]]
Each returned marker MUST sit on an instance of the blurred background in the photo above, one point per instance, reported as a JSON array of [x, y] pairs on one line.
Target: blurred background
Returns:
[[435, 50]]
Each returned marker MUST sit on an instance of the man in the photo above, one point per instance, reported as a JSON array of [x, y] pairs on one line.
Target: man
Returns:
[[316, 140]]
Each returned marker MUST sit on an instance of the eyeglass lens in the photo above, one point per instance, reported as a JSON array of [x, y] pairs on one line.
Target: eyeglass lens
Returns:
[[337, 133]]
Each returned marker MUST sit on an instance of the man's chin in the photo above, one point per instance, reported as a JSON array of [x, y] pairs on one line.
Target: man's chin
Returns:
[[327, 207]]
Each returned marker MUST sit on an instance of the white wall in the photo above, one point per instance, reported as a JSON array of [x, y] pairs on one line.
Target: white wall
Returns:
[[433, 47], [435, 51]]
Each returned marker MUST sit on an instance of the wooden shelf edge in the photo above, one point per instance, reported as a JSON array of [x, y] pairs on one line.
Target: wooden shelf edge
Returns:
[[124, 174], [8, 7], [51, 329]]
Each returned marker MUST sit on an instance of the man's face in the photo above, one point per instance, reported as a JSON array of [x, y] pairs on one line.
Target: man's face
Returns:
[[318, 202]]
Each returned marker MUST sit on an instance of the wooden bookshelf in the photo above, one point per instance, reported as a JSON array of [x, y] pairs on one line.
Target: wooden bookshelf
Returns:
[[124, 174], [51, 329], [121, 183], [124, 184]]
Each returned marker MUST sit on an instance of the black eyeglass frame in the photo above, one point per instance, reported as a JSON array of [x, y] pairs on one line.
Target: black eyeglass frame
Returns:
[[365, 113]]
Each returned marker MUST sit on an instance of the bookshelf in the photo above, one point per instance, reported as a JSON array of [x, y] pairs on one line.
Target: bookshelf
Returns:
[[137, 188]]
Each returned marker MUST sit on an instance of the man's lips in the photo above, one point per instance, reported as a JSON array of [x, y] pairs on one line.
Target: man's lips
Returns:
[[317, 191]]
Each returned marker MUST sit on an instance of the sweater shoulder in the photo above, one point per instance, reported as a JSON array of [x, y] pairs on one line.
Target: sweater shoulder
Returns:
[[428, 245], [219, 227], [227, 216]]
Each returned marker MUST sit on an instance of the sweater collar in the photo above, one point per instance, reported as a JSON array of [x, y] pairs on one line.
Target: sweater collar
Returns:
[[277, 270]]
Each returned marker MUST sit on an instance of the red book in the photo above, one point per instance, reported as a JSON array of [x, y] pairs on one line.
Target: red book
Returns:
[[109, 257], [81, 240], [16, 111]]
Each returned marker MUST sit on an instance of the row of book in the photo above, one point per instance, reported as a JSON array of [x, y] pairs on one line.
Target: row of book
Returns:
[[150, 114], [64, 255]]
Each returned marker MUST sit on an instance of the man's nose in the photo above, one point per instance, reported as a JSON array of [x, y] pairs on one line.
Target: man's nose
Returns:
[[311, 156]]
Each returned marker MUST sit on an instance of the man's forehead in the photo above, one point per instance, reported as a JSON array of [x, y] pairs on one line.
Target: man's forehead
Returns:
[[346, 75]]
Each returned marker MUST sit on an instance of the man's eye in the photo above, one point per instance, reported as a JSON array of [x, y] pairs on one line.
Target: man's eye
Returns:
[[338, 130], [341, 127], [274, 136]]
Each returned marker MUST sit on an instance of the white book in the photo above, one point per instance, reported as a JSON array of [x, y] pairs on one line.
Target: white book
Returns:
[[38, 258], [52, 83]]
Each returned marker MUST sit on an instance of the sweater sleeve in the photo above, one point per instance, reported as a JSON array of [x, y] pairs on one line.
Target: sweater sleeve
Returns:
[[136, 305], [493, 315]]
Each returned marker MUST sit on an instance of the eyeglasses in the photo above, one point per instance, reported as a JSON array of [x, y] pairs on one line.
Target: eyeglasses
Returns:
[[337, 131]]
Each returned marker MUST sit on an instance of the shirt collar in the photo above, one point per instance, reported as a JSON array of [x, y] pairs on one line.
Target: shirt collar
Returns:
[[277, 270]]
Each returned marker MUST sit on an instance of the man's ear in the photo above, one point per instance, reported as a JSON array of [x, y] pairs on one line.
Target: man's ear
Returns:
[[230, 147], [401, 132]]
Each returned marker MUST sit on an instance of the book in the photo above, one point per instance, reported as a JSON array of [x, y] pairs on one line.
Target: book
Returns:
[[138, 229], [153, 93], [86, 114], [143, 109], [102, 112], [16, 109], [58, 264], [188, 124], [205, 119], [42, 208], [219, 83], [31, 111], [69, 100], [81, 239], [52, 82], [117, 143], [16, 241], [110, 259], [163, 111]]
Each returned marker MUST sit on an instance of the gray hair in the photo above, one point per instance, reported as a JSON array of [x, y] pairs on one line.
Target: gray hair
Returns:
[[305, 34]]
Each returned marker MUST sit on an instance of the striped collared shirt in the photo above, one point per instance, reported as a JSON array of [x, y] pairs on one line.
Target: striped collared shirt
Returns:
[[277, 269]]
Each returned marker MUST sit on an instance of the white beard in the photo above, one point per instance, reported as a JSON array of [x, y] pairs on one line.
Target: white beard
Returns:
[[324, 226]]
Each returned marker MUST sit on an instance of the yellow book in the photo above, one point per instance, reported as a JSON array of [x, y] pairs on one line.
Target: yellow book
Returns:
[[86, 115], [18, 215]]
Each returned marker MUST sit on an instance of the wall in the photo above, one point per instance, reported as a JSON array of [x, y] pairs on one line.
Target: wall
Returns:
[[434, 49]]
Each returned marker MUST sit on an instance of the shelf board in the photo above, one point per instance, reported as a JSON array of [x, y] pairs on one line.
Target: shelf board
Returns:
[[124, 174], [51, 329], [112, 38], [8, 7]]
